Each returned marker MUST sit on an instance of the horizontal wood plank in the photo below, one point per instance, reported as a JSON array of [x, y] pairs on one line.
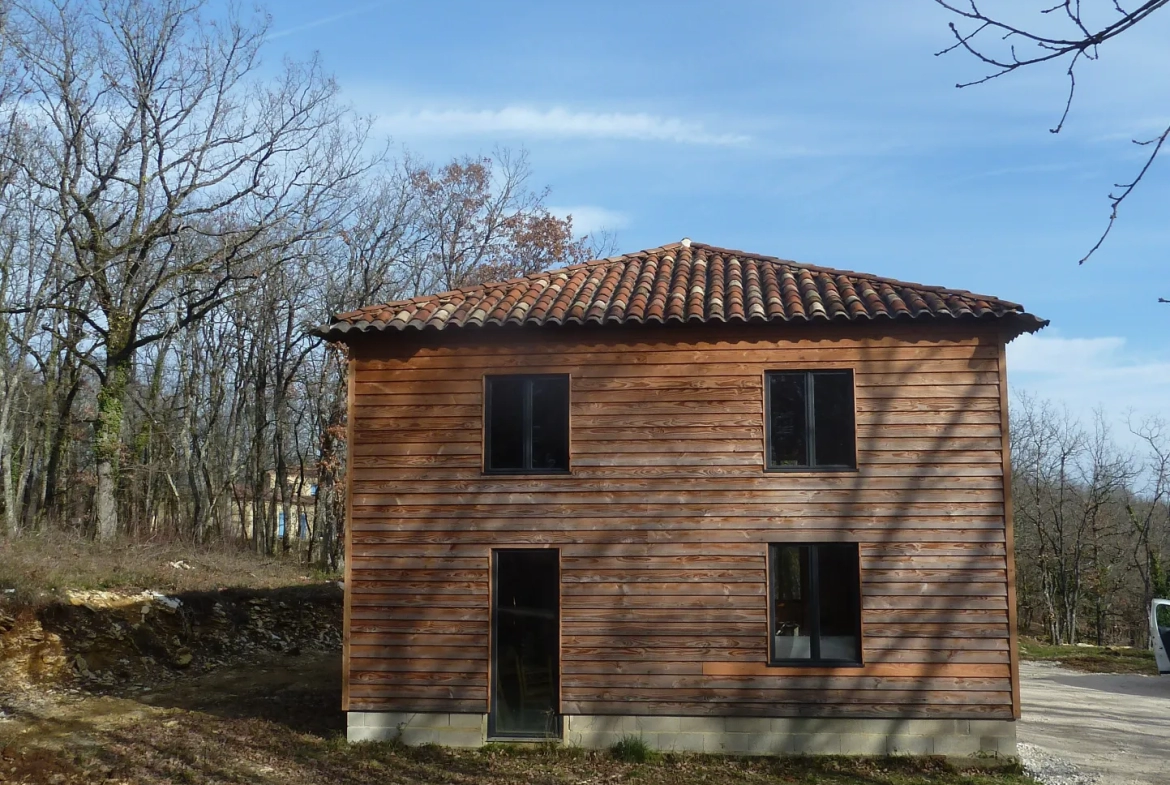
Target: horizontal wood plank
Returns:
[[663, 523]]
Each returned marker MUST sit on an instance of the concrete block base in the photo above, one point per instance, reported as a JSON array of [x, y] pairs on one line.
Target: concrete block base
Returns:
[[414, 728], [800, 736], [718, 735]]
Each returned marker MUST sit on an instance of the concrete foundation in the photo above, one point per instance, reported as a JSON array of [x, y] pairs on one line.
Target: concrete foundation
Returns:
[[414, 728], [800, 736], [720, 735]]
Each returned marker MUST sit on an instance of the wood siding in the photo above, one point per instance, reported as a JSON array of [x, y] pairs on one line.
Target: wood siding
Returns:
[[664, 521]]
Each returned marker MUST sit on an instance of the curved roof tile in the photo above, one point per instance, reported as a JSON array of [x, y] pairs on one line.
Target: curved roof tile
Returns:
[[680, 283]]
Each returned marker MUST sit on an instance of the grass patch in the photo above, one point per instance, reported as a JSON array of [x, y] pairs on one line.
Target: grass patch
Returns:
[[632, 749], [185, 749], [37, 568], [547, 749], [1091, 659], [280, 723]]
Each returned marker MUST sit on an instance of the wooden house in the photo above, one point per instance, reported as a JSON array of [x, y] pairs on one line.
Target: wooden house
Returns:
[[720, 501]]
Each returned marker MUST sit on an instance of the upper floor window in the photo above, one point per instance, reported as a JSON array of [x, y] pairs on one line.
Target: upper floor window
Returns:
[[526, 422], [810, 420], [814, 599]]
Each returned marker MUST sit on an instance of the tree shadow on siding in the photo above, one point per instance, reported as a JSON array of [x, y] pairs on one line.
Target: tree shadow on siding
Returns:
[[948, 551], [888, 544]]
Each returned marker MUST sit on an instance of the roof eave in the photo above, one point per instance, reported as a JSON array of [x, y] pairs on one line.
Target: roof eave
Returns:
[[1015, 325], [1012, 324]]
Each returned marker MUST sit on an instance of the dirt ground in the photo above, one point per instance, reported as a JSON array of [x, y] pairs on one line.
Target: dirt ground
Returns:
[[278, 722], [1115, 728], [232, 725]]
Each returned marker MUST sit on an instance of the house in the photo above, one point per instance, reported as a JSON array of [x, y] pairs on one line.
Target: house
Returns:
[[717, 500], [246, 505]]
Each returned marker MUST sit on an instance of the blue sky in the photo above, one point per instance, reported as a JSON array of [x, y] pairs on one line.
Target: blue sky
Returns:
[[826, 132]]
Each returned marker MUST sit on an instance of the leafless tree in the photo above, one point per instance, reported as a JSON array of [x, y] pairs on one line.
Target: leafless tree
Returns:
[[172, 228], [1066, 31], [1067, 479], [176, 171], [1149, 511]]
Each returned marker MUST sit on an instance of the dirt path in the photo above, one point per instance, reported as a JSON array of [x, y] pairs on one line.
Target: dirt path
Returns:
[[1114, 728]]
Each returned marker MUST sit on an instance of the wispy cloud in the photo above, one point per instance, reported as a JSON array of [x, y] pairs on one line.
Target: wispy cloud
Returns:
[[1139, 129], [588, 218], [555, 122], [1022, 169], [325, 20], [1086, 373], [1054, 355]]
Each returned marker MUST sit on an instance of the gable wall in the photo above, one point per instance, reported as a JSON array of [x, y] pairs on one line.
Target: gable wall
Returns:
[[664, 523]]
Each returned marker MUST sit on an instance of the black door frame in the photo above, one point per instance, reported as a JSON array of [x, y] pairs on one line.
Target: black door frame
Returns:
[[493, 663]]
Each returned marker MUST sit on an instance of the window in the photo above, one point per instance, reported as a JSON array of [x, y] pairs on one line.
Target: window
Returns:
[[527, 424], [814, 604], [810, 420]]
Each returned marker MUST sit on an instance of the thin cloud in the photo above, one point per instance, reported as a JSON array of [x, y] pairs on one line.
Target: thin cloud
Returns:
[[1087, 373], [588, 218], [1140, 130], [1051, 354], [325, 20], [556, 122], [1023, 169]]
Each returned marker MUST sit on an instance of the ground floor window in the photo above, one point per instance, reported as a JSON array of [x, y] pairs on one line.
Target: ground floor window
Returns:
[[814, 603]]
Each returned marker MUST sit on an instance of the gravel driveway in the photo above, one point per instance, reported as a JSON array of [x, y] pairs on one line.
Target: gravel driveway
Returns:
[[1093, 728]]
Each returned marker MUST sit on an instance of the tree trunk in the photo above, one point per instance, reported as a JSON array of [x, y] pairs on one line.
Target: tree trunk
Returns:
[[8, 520], [56, 451], [108, 446]]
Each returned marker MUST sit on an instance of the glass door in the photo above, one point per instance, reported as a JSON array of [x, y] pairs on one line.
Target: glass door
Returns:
[[525, 644]]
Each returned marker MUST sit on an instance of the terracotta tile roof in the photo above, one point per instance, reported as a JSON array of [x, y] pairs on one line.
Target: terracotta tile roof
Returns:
[[682, 283]]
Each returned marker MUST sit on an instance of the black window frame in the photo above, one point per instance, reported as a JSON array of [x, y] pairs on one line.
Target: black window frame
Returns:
[[527, 378], [814, 609], [810, 421]]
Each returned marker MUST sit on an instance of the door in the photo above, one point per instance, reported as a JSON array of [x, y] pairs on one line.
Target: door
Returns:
[[1160, 630], [526, 624]]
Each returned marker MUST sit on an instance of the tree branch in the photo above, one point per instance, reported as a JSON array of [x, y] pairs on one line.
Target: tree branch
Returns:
[[1045, 47]]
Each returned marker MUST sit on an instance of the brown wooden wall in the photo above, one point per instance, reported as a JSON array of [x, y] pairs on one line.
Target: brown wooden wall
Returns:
[[664, 522]]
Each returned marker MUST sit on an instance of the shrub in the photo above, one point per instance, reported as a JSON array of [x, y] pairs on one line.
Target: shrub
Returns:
[[632, 749]]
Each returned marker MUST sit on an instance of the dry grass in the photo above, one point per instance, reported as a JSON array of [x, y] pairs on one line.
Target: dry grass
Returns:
[[277, 721], [186, 750], [40, 568], [200, 749], [1091, 659]]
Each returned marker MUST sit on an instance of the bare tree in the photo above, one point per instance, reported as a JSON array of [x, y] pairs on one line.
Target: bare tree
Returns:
[[1149, 511], [1065, 482], [178, 174], [480, 221], [172, 228], [1066, 31]]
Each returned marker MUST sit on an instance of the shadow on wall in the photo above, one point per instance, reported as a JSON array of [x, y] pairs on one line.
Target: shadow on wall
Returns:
[[933, 559]]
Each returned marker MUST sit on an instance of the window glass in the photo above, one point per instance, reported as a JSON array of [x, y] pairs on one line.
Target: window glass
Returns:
[[791, 629], [506, 423], [788, 427], [840, 595], [810, 420], [833, 414], [527, 424], [815, 603], [550, 417]]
